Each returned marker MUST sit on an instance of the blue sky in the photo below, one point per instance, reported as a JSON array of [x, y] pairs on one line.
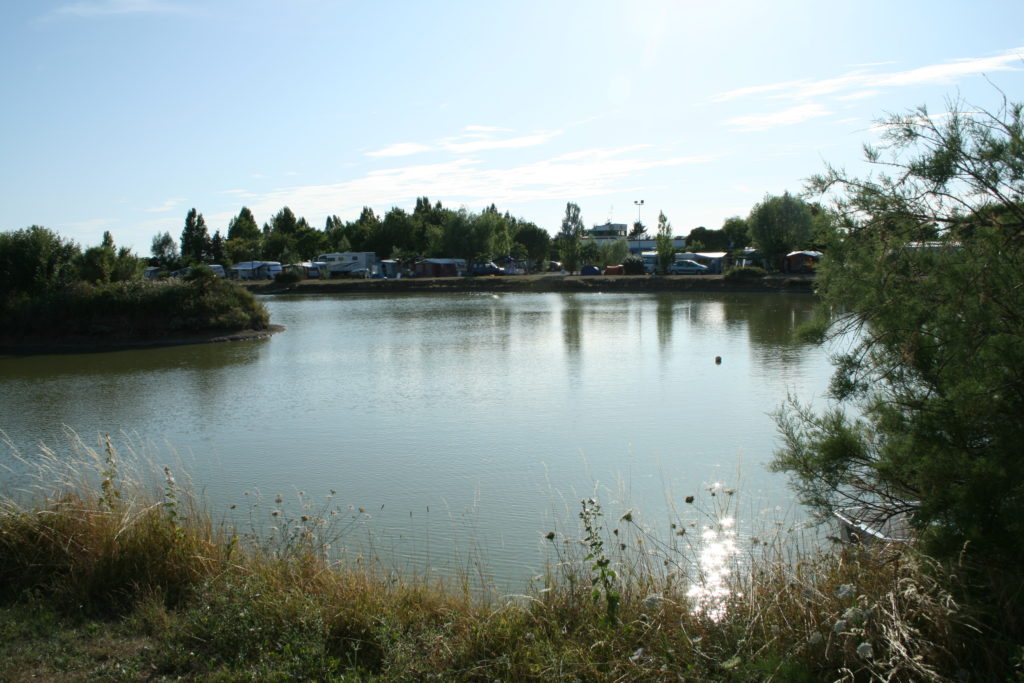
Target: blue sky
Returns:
[[121, 115]]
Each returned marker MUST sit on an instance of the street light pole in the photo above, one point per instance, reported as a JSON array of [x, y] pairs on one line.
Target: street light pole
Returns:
[[639, 203]]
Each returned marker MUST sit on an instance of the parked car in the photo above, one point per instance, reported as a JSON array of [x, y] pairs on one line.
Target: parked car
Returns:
[[488, 268], [614, 270], [590, 270], [687, 267], [554, 266]]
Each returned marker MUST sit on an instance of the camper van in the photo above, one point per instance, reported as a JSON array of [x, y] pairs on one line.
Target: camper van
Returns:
[[348, 263]]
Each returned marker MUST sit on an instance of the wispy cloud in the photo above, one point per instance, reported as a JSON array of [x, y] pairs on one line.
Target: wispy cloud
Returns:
[[400, 149], [92, 8], [863, 80], [486, 142], [473, 139], [856, 85], [859, 95], [786, 117], [577, 175]]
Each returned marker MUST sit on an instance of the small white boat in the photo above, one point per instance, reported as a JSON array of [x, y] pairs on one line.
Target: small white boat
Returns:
[[871, 524]]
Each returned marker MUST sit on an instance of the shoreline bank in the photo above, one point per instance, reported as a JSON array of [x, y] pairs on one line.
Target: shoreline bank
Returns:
[[10, 348], [544, 283]]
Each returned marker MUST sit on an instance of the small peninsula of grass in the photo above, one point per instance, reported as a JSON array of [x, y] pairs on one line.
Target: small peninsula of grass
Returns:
[[55, 297], [133, 312]]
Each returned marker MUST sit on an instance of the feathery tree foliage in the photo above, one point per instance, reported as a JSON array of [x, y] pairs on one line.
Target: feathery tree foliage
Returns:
[[925, 278]]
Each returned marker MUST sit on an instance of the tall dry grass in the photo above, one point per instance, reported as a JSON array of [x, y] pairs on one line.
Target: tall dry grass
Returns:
[[108, 533]]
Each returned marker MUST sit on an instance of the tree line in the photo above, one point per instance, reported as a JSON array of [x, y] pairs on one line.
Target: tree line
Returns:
[[36, 258], [36, 261], [775, 226], [430, 230]]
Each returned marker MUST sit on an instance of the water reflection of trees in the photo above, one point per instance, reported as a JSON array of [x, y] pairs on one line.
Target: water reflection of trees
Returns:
[[665, 311], [768, 320], [771, 321], [572, 326], [94, 392]]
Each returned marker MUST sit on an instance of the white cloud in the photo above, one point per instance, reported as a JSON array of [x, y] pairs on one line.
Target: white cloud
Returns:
[[576, 175], [786, 117], [400, 149], [859, 95], [951, 71], [508, 143], [861, 82]]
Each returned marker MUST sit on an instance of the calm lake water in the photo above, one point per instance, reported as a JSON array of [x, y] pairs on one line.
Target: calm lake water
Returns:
[[466, 426]]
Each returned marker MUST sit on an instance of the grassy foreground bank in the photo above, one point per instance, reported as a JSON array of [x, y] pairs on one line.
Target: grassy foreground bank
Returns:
[[107, 572]]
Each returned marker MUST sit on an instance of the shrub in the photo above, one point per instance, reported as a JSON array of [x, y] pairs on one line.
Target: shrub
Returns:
[[745, 273], [287, 277], [633, 265], [136, 309]]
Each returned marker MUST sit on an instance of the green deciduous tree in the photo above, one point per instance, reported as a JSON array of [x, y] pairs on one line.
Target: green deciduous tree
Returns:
[[536, 241], [710, 240], [590, 252], [164, 251], [612, 252], [35, 261], [97, 264], [362, 231], [736, 231], [926, 275], [779, 225], [570, 236], [663, 243]]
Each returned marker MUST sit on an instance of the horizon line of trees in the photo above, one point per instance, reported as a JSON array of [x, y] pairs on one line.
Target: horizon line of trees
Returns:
[[430, 230], [775, 226]]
